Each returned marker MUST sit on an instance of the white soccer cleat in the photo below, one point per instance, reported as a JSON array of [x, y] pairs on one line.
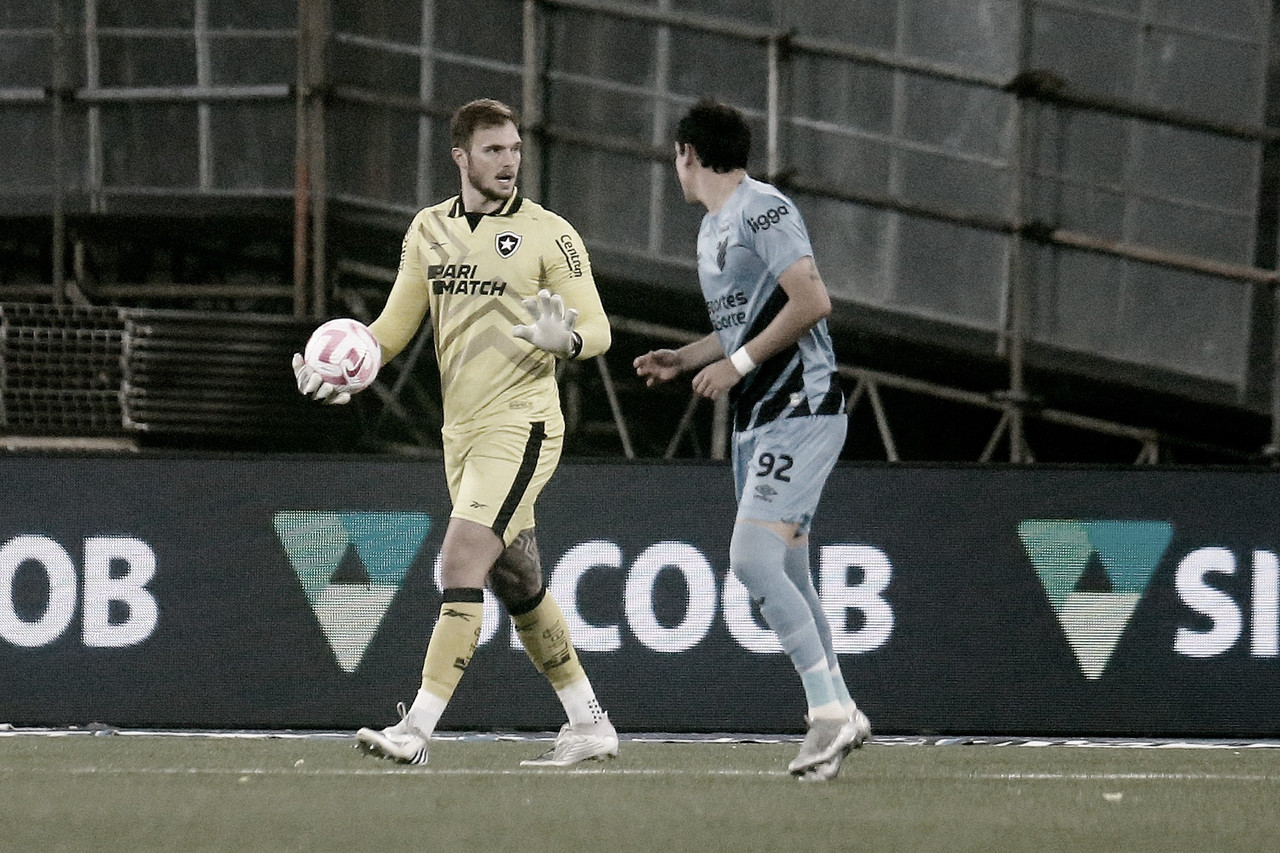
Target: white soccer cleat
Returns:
[[828, 740], [856, 731], [401, 742], [585, 742]]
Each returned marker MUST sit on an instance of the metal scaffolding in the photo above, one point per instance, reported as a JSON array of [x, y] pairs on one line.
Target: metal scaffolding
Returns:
[[370, 99]]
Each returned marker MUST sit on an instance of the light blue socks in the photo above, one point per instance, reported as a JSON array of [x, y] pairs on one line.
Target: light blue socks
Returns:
[[759, 559], [800, 575]]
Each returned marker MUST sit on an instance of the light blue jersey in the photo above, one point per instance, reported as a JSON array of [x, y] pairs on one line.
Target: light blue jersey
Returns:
[[742, 250]]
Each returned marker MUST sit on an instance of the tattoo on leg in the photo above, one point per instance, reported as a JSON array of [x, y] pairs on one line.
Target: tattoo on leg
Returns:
[[516, 575]]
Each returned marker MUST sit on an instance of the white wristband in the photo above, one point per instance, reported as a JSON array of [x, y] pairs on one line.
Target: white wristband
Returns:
[[742, 361]]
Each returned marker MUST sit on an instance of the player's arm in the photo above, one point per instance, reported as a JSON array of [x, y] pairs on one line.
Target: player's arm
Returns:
[[592, 326], [808, 303], [395, 327], [408, 302], [661, 365], [568, 319]]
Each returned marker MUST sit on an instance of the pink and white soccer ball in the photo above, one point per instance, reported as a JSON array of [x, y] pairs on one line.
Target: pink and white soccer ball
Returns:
[[345, 353]]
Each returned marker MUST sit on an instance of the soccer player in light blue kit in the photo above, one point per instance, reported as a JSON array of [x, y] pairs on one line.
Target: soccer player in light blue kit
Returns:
[[771, 352]]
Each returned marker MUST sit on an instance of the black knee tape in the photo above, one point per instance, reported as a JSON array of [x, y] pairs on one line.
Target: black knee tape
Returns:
[[529, 603], [464, 594]]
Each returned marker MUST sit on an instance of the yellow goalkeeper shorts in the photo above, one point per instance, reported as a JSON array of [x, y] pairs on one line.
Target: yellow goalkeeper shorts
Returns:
[[496, 473]]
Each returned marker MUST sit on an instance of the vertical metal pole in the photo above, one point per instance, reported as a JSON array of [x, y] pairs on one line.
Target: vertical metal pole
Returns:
[[93, 81], [1017, 272], [774, 160], [319, 26], [319, 213], [531, 103], [426, 93], [59, 81], [1272, 450], [889, 253], [301, 169], [659, 173], [204, 79]]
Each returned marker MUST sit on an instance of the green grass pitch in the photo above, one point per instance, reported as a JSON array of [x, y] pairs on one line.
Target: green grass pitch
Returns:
[[135, 792]]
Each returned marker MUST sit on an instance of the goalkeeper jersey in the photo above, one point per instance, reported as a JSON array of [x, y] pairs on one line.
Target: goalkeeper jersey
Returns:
[[470, 272]]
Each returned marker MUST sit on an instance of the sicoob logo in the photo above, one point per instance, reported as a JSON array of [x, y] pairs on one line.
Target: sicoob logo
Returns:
[[1094, 573], [351, 565]]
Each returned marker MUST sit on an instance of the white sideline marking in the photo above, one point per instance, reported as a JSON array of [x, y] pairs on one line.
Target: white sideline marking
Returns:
[[1128, 777], [7, 730], [339, 772], [388, 771]]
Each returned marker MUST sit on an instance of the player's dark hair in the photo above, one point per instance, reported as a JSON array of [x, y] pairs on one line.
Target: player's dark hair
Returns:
[[478, 115], [718, 133]]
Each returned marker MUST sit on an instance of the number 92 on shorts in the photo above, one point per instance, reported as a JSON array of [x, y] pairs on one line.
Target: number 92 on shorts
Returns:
[[780, 468]]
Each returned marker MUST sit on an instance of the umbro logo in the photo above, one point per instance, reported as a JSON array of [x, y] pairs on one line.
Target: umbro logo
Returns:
[[478, 505], [506, 243], [765, 492]]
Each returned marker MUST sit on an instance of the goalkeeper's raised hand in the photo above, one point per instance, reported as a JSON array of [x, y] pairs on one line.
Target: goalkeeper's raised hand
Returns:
[[311, 384], [552, 328]]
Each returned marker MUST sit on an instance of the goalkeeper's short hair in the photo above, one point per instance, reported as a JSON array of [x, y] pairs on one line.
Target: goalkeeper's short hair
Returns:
[[477, 115]]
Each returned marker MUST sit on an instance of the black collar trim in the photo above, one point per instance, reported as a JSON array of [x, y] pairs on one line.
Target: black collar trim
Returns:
[[508, 209]]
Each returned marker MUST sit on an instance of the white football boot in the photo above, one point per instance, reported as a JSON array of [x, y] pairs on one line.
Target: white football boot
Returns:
[[826, 746], [402, 742], [585, 742]]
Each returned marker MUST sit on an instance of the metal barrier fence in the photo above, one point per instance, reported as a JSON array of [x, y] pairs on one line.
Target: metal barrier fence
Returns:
[[70, 374]]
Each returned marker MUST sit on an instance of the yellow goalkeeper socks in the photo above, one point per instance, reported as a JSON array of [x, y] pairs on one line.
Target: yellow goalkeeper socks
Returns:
[[542, 630], [541, 627], [453, 641]]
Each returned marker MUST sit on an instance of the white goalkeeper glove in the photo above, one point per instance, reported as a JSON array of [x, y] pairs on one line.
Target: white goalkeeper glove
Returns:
[[312, 384], [552, 328]]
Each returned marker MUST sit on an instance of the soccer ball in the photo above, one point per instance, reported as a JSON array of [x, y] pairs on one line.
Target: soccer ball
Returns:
[[345, 353]]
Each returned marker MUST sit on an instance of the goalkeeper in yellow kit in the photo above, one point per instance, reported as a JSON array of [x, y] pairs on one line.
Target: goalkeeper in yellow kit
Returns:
[[509, 290]]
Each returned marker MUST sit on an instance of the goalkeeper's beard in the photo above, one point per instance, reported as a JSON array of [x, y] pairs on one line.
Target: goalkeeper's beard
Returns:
[[489, 193]]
